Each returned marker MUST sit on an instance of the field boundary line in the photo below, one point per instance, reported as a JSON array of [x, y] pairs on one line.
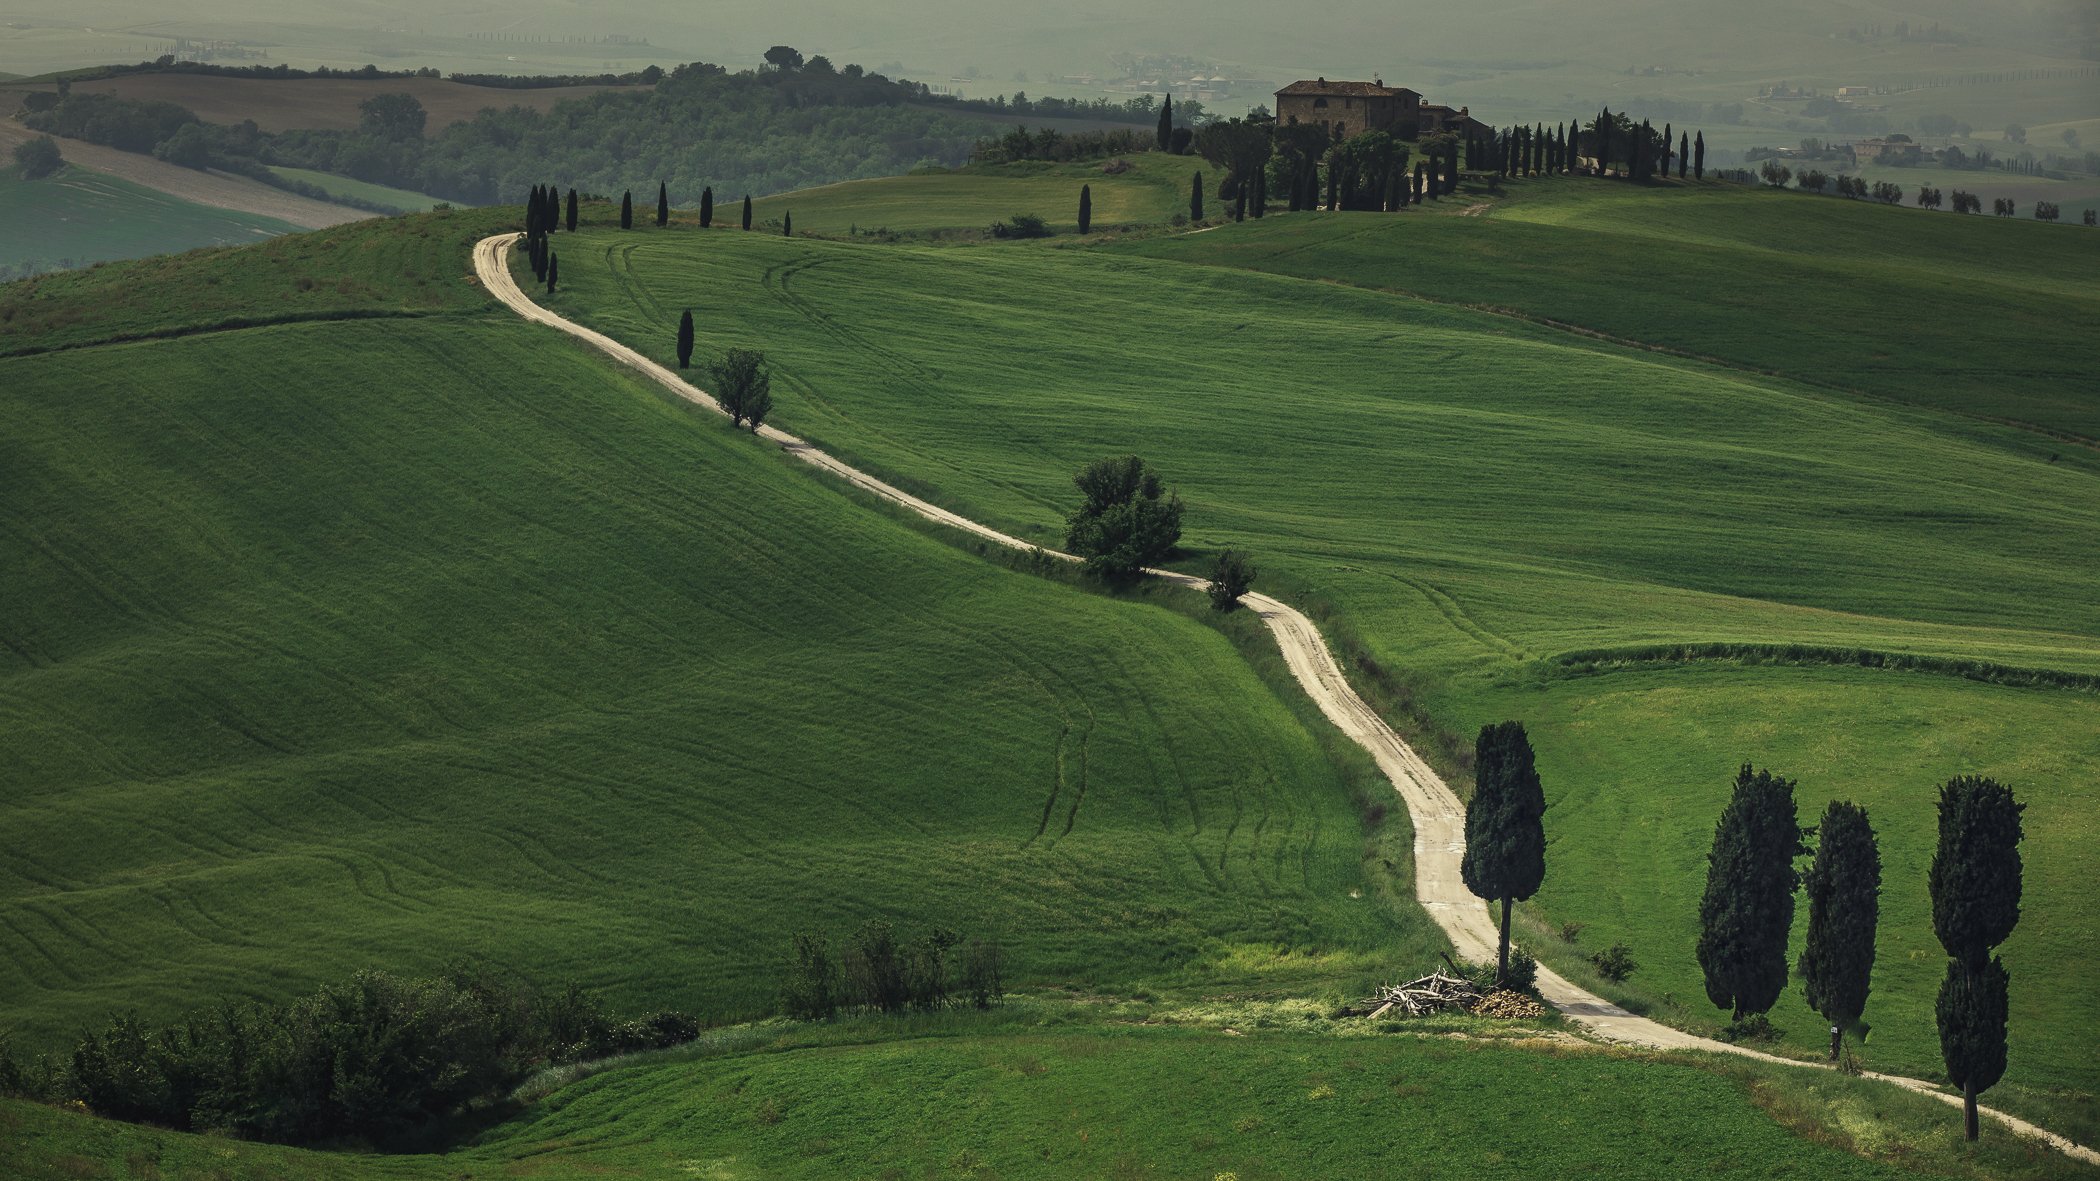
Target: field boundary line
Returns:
[[230, 324], [1439, 818]]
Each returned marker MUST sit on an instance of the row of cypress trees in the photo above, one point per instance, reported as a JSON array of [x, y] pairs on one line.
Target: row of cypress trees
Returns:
[[1746, 913]]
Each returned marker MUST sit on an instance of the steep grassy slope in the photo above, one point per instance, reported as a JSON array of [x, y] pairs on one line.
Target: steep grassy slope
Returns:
[[79, 217], [1977, 315], [331, 645], [952, 1099], [1477, 495]]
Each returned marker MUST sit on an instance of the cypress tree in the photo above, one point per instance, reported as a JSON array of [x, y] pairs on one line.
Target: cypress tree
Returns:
[[1261, 192], [787, 224], [747, 211], [1334, 196], [1603, 141], [532, 214], [553, 208], [1196, 199], [627, 210], [685, 339], [1505, 855], [1699, 156], [1667, 138], [1748, 907], [707, 207], [1684, 152], [553, 270], [1086, 208], [663, 204], [572, 211], [1646, 169], [1166, 125], [1843, 885], [1975, 883]]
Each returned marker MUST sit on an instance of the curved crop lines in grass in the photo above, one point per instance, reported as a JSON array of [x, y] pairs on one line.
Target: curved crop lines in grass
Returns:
[[1438, 816], [1449, 608]]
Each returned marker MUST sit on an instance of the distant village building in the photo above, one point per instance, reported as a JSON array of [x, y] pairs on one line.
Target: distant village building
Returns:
[[1351, 108], [1460, 122]]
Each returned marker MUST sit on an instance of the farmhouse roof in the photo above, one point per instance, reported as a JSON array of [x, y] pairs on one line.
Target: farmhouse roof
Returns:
[[1322, 86]]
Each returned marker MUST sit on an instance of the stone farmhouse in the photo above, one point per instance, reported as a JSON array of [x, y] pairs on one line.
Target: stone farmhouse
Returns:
[[1352, 108]]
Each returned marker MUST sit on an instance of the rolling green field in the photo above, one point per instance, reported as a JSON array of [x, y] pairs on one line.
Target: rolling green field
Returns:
[[370, 643], [1474, 494], [77, 217], [399, 200], [1153, 190], [970, 1098]]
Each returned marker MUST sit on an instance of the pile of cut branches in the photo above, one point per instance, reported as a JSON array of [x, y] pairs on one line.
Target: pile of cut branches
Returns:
[[1434, 993]]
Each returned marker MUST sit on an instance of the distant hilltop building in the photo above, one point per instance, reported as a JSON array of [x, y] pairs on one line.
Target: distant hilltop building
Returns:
[[1352, 108]]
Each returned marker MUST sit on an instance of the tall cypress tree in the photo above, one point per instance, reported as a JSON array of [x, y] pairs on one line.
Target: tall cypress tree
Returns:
[[553, 199], [1748, 907], [1239, 200], [1975, 883], [663, 204], [787, 224], [1667, 140], [1505, 856], [553, 270], [1166, 123], [707, 207], [1603, 141], [572, 211], [1843, 885], [1086, 208], [1261, 192], [627, 210], [685, 339], [1684, 152], [1196, 199], [532, 214], [747, 211], [1699, 156]]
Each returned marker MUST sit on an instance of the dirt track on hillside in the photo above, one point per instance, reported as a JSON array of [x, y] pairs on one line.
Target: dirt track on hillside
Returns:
[[218, 189], [1439, 818]]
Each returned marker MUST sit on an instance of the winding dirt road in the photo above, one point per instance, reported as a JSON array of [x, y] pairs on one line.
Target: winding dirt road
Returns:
[[1439, 818]]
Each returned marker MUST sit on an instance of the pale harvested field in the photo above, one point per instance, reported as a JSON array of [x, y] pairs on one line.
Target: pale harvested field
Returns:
[[218, 189]]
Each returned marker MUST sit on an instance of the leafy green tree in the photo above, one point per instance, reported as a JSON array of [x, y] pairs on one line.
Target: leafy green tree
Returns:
[[1231, 578], [1196, 198], [747, 211], [812, 992], [743, 386], [189, 147], [1975, 882], [572, 211], [663, 204], [1748, 908], [1505, 858], [1166, 124], [685, 339], [874, 969], [1127, 522], [395, 117], [627, 210], [784, 58], [1843, 885], [1086, 208], [707, 207]]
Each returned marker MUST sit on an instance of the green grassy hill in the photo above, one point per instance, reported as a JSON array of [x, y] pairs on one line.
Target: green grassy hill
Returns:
[[1020, 1096], [371, 642], [78, 217], [1476, 494], [398, 200], [1151, 190]]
